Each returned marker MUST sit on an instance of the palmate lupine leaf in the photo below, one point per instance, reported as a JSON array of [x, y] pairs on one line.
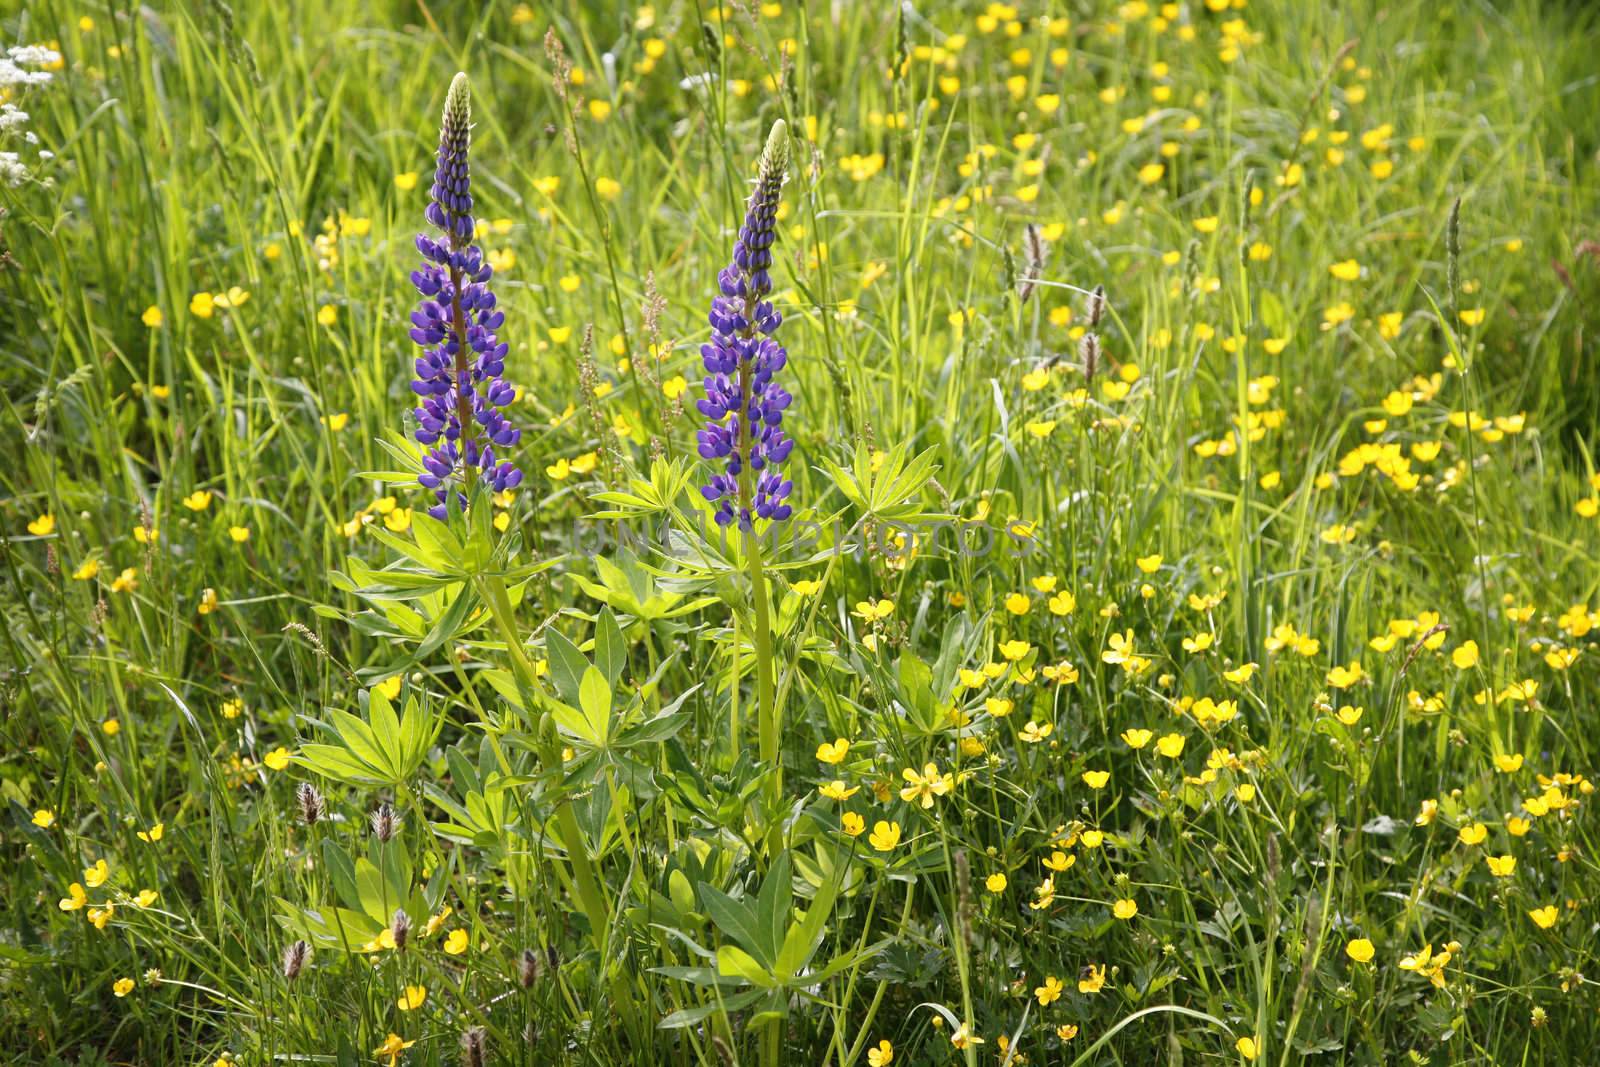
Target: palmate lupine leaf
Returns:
[[385, 749]]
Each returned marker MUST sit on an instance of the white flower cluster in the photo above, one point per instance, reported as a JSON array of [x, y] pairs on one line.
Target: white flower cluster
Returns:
[[14, 72]]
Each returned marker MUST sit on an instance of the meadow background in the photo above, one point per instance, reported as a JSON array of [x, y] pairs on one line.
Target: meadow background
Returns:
[[1259, 705]]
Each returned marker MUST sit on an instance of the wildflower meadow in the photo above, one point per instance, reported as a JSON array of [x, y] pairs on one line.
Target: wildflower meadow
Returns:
[[840, 533]]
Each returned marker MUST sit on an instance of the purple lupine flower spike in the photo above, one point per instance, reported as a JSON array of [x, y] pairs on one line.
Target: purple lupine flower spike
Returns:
[[459, 373], [743, 405]]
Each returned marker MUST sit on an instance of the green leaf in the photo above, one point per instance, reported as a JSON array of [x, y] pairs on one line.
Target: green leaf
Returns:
[[772, 906], [505, 683], [372, 890], [691, 1016], [570, 721], [421, 554], [386, 730], [703, 976], [449, 624], [341, 872], [804, 937], [437, 539], [610, 649], [337, 763], [359, 739], [594, 698], [736, 962], [916, 689], [654, 730], [735, 918], [567, 664]]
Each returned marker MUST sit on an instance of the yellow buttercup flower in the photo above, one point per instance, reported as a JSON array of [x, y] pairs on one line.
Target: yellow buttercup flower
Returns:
[[391, 1049], [923, 787], [836, 790], [1343, 677], [964, 1037], [1119, 649], [869, 611], [833, 752], [1014, 650], [1346, 270]]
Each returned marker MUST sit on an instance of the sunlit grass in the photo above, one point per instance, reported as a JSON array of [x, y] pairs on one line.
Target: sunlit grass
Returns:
[[1212, 687]]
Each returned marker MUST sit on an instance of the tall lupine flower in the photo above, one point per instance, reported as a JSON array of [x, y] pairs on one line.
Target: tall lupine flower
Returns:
[[459, 371], [744, 405]]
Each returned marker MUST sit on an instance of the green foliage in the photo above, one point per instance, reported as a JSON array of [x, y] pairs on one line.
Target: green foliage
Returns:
[[380, 750], [629, 826]]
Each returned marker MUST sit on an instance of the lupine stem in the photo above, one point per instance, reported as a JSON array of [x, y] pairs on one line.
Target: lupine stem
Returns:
[[766, 703], [458, 327], [583, 878]]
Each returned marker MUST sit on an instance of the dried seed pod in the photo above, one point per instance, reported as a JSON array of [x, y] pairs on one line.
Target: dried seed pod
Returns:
[[295, 958]]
